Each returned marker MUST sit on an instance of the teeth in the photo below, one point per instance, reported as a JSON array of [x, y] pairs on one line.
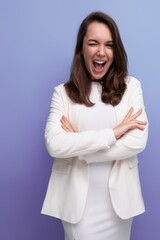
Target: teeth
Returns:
[[99, 62]]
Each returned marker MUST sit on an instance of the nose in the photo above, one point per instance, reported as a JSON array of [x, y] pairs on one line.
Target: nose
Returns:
[[101, 51]]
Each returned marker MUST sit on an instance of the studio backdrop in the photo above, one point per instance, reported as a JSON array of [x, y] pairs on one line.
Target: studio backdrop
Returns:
[[37, 40]]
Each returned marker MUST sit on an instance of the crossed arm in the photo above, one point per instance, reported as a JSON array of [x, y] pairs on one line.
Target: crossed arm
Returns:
[[123, 148], [63, 141], [129, 123]]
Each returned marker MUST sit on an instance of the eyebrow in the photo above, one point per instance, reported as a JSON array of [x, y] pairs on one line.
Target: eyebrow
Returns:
[[94, 40]]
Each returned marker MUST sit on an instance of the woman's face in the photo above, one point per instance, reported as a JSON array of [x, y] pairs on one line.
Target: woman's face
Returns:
[[97, 50]]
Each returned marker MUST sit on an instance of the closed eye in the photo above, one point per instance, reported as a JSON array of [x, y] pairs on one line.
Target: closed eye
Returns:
[[109, 44], [92, 44]]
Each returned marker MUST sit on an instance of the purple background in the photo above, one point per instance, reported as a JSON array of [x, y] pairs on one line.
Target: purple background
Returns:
[[37, 39]]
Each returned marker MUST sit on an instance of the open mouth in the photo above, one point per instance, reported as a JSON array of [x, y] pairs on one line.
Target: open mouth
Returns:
[[99, 64]]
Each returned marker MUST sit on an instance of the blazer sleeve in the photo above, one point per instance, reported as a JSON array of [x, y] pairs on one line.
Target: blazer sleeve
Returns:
[[63, 144], [132, 142]]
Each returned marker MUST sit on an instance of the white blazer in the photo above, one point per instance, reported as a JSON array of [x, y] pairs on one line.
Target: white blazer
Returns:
[[68, 184]]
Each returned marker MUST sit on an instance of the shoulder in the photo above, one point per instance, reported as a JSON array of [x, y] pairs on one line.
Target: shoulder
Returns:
[[60, 89], [132, 82], [60, 92]]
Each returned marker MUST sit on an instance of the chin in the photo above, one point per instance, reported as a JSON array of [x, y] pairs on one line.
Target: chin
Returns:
[[94, 77], [97, 76]]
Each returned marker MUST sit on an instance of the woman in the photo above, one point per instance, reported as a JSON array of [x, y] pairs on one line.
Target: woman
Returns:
[[96, 127]]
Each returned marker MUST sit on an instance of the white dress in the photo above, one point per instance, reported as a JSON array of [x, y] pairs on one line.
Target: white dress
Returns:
[[99, 221]]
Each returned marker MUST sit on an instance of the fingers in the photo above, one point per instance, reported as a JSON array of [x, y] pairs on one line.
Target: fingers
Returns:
[[137, 124], [64, 121], [137, 114], [129, 113], [130, 122], [141, 122], [66, 124], [131, 117]]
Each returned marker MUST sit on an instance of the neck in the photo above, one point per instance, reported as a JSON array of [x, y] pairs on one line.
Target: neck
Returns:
[[100, 81]]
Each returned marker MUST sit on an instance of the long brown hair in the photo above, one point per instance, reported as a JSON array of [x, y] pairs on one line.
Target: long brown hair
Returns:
[[113, 83]]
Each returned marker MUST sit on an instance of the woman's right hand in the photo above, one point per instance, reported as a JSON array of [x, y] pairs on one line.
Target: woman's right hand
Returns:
[[66, 125], [130, 122]]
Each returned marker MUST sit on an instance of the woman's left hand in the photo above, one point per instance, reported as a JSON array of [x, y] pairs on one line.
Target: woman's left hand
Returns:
[[66, 125]]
